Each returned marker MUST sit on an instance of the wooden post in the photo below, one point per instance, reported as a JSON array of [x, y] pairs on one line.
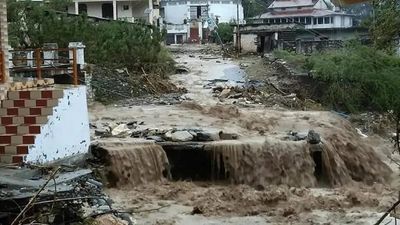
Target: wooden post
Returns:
[[38, 63], [75, 67]]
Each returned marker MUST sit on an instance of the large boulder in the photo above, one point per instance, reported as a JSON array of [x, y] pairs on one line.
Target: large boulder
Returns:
[[180, 136]]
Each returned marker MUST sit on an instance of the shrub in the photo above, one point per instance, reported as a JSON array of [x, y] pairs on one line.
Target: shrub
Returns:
[[225, 32]]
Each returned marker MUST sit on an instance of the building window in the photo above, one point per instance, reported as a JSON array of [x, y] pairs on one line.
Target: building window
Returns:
[[314, 20], [82, 8], [320, 20], [296, 19], [302, 20], [327, 20], [284, 20], [308, 20], [125, 7]]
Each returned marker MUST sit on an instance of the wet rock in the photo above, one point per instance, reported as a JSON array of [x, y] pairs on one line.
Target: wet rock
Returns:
[[225, 93], [197, 210], [191, 56], [109, 219], [203, 136], [179, 136], [217, 89], [181, 69], [102, 132], [132, 124], [227, 136], [313, 137], [120, 130], [295, 136], [243, 65], [155, 138]]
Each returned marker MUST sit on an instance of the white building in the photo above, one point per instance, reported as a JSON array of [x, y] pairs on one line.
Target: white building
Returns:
[[313, 14], [190, 20], [303, 25], [128, 10]]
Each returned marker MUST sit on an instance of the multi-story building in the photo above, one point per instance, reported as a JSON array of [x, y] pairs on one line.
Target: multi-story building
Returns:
[[191, 20], [295, 22], [128, 10], [313, 14]]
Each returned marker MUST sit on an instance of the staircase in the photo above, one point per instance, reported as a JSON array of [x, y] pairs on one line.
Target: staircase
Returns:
[[22, 115], [41, 122]]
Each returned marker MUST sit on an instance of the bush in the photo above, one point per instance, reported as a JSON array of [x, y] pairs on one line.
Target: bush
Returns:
[[225, 32], [359, 78]]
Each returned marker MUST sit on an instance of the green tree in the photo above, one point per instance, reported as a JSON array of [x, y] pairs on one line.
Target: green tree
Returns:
[[385, 24], [253, 8], [225, 32]]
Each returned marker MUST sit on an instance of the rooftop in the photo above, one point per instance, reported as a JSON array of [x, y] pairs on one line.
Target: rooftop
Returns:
[[297, 13], [291, 3]]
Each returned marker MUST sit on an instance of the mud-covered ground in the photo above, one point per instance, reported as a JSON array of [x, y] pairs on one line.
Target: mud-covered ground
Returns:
[[193, 202]]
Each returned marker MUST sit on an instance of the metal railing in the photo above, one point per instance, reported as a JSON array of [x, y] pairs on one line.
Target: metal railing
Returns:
[[45, 60]]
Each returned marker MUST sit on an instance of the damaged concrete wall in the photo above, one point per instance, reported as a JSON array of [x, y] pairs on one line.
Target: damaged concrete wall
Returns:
[[67, 131], [248, 42]]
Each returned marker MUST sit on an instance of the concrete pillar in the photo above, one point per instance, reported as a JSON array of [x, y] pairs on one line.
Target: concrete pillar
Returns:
[[115, 9], [76, 7], [4, 38], [150, 11]]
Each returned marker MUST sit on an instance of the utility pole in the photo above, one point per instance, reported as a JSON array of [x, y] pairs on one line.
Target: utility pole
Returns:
[[238, 45]]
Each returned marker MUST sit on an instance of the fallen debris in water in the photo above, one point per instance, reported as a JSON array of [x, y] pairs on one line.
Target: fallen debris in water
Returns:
[[50, 195]]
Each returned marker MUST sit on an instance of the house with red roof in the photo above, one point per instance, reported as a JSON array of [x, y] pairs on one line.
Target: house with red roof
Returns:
[[289, 21]]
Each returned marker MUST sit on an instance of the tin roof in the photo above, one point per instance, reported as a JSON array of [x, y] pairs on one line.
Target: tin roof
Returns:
[[291, 3], [299, 13]]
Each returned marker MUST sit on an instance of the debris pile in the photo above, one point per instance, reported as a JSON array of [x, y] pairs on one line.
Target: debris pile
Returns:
[[252, 94], [51, 195], [116, 84], [136, 129]]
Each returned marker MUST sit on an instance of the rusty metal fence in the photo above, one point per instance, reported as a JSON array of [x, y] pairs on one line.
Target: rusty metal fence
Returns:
[[42, 61]]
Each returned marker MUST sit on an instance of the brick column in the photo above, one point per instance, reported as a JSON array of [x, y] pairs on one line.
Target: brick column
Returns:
[[4, 36]]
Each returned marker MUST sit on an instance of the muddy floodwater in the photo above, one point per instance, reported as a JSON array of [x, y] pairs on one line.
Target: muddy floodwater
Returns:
[[266, 172]]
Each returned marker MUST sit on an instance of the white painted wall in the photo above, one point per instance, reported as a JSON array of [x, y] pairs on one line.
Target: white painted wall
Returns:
[[248, 42], [67, 131], [177, 28], [175, 13], [121, 13], [136, 9], [339, 21]]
